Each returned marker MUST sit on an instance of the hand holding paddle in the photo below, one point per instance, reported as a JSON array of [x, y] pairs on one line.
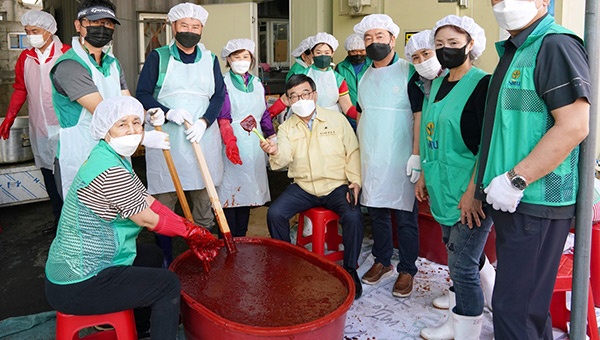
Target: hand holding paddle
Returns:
[[249, 124], [212, 194]]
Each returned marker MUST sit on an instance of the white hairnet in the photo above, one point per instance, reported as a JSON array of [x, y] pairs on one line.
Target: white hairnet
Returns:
[[188, 10], [468, 24], [417, 42], [110, 110], [326, 38], [354, 42], [236, 45], [373, 21], [39, 19], [303, 46]]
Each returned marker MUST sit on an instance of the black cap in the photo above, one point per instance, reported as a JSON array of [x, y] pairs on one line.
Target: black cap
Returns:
[[96, 13]]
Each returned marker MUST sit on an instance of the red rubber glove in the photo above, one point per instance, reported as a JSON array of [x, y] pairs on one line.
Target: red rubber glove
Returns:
[[202, 243], [352, 112], [277, 107], [169, 223], [230, 141]]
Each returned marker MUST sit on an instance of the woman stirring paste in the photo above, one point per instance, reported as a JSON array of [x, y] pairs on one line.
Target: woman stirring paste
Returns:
[[95, 265]]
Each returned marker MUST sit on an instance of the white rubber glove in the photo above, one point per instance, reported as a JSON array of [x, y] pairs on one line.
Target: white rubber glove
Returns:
[[156, 140], [501, 195], [177, 116], [196, 131], [155, 116], [413, 168]]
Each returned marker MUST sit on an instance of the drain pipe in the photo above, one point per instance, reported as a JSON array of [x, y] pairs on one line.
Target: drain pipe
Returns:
[[583, 227]]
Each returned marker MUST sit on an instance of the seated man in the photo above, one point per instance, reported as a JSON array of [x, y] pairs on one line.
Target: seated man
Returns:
[[320, 150]]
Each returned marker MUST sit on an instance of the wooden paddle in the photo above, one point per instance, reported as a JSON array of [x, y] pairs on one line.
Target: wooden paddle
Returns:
[[212, 195], [249, 124], [178, 188]]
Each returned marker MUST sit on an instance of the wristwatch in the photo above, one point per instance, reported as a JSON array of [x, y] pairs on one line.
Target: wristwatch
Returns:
[[517, 181]]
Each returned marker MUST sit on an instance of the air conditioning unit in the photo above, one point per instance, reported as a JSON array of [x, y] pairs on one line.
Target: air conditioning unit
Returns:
[[359, 7]]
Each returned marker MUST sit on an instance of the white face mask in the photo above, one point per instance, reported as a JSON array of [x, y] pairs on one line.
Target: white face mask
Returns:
[[304, 107], [512, 15], [429, 69], [126, 145], [36, 40], [240, 66]]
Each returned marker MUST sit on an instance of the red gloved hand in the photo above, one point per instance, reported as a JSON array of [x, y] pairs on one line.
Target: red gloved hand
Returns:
[[6, 124], [277, 107], [352, 112], [230, 141], [202, 243]]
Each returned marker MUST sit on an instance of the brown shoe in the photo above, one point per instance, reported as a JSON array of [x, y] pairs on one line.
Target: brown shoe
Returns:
[[403, 286], [376, 273]]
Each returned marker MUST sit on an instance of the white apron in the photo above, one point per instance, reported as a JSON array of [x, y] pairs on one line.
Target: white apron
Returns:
[[76, 142], [190, 87], [327, 88], [246, 184], [43, 123], [385, 135]]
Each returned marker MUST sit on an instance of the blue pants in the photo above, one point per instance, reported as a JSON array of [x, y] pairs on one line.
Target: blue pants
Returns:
[[408, 237], [528, 250], [294, 200], [465, 247]]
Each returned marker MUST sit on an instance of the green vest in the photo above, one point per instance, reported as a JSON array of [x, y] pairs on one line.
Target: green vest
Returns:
[[297, 68], [85, 244], [522, 119], [346, 69], [68, 111], [447, 162]]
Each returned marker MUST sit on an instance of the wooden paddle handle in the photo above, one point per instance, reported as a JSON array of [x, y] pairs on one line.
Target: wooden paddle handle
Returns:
[[210, 187], [178, 188]]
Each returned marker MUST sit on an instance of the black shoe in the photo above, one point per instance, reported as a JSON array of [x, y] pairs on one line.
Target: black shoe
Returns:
[[357, 282]]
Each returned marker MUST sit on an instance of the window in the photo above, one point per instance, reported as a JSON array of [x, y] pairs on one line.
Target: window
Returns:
[[17, 41], [3, 16], [273, 42], [153, 33]]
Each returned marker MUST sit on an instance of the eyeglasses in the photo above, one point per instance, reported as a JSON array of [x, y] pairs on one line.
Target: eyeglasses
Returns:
[[106, 23], [305, 96]]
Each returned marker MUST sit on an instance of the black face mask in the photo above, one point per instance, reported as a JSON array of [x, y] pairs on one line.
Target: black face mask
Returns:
[[378, 51], [451, 57], [357, 59], [188, 39], [322, 61], [99, 36]]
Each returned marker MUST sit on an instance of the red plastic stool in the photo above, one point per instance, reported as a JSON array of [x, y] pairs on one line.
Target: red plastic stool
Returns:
[[324, 231], [558, 310], [68, 326]]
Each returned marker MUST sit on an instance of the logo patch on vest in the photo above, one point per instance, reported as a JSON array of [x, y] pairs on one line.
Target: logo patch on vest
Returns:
[[429, 128], [515, 79]]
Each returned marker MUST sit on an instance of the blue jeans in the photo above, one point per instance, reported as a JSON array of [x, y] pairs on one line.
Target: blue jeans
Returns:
[[408, 237], [294, 200], [464, 248]]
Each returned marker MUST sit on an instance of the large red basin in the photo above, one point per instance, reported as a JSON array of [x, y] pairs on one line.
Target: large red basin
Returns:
[[288, 271]]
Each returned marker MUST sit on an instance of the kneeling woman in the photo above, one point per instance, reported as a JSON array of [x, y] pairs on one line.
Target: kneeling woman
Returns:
[[94, 265]]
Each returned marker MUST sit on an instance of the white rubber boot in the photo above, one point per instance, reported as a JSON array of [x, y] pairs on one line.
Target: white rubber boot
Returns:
[[467, 327], [441, 302], [445, 331], [487, 275]]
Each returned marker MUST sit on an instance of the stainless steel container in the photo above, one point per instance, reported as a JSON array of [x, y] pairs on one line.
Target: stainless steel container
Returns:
[[17, 148]]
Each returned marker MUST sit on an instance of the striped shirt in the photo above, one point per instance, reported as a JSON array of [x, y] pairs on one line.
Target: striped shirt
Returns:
[[113, 192]]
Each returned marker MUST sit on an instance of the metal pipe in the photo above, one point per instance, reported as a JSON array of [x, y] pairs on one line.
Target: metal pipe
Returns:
[[583, 227]]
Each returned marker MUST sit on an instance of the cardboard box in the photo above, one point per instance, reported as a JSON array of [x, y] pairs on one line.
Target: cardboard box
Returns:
[[281, 51], [21, 183]]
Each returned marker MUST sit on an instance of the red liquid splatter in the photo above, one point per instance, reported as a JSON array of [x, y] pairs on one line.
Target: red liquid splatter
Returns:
[[263, 286]]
